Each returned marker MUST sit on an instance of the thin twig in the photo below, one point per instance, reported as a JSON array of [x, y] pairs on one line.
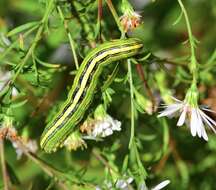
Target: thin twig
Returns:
[[132, 104], [100, 14], [146, 86], [69, 36], [103, 161], [3, 164]]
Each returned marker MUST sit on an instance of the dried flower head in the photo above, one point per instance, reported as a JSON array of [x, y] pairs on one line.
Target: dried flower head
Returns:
[[130, 20], [75, 141]]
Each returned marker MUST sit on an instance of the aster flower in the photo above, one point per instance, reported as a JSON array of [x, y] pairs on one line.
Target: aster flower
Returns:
[[125, 184], [161, 185], [120, 184], [106, 127], [31, 145], [190, 113], [130, 19], [20, 144], [101, 126], [5, 76], [157, 187]]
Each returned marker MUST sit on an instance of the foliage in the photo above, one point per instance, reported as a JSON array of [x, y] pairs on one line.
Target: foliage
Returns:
[[43, 43]]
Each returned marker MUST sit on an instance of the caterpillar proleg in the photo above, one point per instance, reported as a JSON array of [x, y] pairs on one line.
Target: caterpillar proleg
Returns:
[[81, 93]]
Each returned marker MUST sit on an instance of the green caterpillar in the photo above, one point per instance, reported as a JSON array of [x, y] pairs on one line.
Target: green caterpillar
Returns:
[[81, 93]]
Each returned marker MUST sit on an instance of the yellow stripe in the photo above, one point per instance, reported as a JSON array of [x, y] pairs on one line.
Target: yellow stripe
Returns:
[[83, 84]]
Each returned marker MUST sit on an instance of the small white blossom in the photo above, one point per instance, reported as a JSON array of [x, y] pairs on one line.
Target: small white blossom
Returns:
[[157, 187], [192, 115], [5, 76], [30, 144], [123, 184], [105, 126], [161, 185]]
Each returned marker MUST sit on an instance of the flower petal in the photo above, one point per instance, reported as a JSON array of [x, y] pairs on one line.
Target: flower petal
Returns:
[[161, 185], [182, 117], [193, 122], [199, 123], [209, 110], [170, 110], [204, 134], [177, 100], [210, 122]]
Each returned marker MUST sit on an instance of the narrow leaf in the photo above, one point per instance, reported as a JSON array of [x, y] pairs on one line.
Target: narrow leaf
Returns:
[[22, 28], [45, 64], [18, 104], [178, 19]]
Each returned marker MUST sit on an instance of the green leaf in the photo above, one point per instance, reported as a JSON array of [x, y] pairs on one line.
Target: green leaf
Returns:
[[22, 28], [178, 19], [45, 64], [18, 104], [125, 164], [4, 91], [143, 102], [138, 107], [145, 57]]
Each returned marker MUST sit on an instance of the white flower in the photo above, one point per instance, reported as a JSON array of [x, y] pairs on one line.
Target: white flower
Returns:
[[192, 115], [120, 184], [31, 145], [105, 126], [157, 187], [123, 184], [161, 185], [5, 76]]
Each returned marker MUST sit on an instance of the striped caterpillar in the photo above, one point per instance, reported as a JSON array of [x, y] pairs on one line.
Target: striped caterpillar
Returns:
[[82, 91]]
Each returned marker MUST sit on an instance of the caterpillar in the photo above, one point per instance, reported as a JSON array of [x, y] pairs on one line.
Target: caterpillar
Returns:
[[83, 88]]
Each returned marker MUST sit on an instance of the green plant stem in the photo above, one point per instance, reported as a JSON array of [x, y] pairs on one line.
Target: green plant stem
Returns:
[[73, 50], [3, 164], [132, 143], [193, 65], [98, 156], [116, 17], [36, 39], [132, 103], [99, 18], [142, 170], [69, 37]]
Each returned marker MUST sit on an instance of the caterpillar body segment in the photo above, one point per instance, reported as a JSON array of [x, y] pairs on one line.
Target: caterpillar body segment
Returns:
[[82, 91]]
